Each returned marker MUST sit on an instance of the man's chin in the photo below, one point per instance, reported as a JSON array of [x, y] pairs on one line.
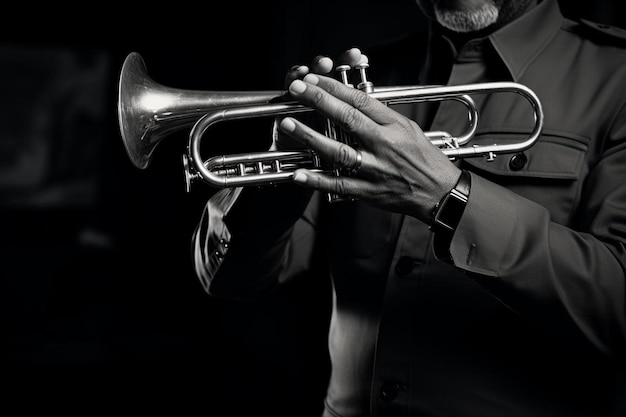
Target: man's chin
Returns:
[[462, 5], [466, 21]]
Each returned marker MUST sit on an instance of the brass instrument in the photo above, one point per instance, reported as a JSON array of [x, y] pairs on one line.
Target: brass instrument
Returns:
[[148, 112]]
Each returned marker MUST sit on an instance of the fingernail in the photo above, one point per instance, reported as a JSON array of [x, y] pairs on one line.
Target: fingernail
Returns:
[[300, 177], [287, 124], [312, 79], [297, 87]]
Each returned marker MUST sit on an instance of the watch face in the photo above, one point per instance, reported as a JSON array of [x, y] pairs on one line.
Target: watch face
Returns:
[[451, 210]]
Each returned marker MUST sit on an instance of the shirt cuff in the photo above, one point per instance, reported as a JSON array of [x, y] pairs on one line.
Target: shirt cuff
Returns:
[[486, 230]]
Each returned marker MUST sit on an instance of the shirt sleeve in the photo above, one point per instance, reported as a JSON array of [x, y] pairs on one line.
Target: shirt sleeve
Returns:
[[248, 242], [211, 238], [571, 282]]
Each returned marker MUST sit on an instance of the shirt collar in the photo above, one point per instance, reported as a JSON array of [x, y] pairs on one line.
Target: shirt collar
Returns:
[[520, 42]]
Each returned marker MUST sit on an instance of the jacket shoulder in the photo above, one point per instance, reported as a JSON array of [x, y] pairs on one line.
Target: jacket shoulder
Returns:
[[601, 33]]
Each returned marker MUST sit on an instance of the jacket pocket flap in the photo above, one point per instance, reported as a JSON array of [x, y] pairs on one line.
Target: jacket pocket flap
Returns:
[[552, 156]]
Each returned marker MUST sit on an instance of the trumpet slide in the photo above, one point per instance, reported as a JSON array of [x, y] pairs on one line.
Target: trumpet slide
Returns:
[[148, 112]]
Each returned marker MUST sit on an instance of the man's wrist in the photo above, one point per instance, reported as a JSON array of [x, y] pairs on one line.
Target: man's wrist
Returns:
[[449, 209], [447, 215]]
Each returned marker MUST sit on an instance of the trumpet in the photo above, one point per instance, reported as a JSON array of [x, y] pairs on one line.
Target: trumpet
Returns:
[[148, 112]]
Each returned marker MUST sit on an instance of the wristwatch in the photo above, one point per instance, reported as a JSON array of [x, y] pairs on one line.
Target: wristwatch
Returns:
[[448, 211]]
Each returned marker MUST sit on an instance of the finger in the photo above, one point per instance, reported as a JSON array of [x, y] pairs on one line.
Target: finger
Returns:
[[350, 57], [340, 185], [322, 65], [297, 72], [339, 154], [353, 109]]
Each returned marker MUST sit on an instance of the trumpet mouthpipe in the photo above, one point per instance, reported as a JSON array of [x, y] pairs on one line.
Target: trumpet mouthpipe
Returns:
[[148, 112]]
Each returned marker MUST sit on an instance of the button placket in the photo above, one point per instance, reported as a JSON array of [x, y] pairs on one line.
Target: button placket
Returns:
[[389, 391], [518, 161], [405, 265]]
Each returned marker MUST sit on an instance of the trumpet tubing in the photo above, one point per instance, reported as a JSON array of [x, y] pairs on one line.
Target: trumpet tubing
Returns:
[[149, 112]]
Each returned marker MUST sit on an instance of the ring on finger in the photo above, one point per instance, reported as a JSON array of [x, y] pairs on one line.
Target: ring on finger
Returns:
[[357, 165]]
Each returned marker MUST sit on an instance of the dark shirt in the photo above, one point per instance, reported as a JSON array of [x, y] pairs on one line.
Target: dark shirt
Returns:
[[530, 318]]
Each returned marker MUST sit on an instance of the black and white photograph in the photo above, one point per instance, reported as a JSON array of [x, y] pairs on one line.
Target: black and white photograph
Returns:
[[408, 208]]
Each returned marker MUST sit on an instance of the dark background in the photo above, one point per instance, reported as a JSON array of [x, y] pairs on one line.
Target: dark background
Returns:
[[100, 306]]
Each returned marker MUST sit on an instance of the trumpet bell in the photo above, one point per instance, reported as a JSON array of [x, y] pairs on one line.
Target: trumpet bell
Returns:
[[133, 121], [148, 112]]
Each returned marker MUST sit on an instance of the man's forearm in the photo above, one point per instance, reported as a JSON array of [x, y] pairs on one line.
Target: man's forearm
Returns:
[[241, 239]]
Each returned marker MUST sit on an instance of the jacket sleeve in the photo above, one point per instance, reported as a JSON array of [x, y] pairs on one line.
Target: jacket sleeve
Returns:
[[250, 240], [569, 280]]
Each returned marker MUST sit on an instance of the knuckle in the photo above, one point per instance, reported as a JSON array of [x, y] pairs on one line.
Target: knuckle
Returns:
[[341, 186], [318, 97], [352, 119], [334, 88], [342, 156], [361, 100], [409, 125], [313, 181]]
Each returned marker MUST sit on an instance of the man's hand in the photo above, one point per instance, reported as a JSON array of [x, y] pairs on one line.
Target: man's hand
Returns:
[[397, 167], [322, 65]]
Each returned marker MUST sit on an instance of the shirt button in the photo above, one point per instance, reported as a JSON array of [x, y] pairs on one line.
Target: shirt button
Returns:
[[389, 391], [518, 161], [405, 265]]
